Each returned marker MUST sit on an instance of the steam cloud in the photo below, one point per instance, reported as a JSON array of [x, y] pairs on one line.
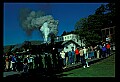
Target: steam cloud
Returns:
[[31, 20]]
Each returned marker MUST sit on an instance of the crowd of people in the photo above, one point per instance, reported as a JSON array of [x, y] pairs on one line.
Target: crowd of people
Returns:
[[15, 62], [83, 54], [55, 59]]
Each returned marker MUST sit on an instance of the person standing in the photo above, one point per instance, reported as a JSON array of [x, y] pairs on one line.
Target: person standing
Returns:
[[36, 61], [10, 62], [69, 57], [14, 62], [77, 55], [95, 51], [4, 62], [31, 62], [82, 57], [92, 52], [62, 53], [18, 64], [104, 51], [25, 65], [85, 54], [54, 56], [98, 51], [100, 46], [49, 64], [7, 63], [73, 56], [108, 49], [66, 58], [89, 53]]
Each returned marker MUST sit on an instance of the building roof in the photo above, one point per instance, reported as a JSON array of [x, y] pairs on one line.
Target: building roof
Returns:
[[36, 42], [65, 42], [17, 46]]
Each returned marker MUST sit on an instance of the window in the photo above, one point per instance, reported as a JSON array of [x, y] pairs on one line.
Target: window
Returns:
[[72, 36], [80, 41], [107, 31], [67, 37], [111, 30], [103, 32], [72, 47]]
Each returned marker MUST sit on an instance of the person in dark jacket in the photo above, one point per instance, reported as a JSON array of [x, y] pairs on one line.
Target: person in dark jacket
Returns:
[[54, 56], [70, 57], [36, 61], [18, 64], [25, 65], [104, 51], [73, 56], [14, 62]]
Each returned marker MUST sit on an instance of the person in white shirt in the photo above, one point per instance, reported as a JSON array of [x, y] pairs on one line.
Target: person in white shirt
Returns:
[[62, 53], [85, 52]]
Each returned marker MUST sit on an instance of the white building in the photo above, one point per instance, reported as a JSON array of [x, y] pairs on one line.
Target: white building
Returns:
[[70, 41]]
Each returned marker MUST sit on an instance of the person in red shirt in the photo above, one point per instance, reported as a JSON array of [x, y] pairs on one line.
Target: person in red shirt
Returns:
[[108, 49], [77, 55]]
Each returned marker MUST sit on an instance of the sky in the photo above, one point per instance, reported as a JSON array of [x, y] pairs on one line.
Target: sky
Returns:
[[66, 13]]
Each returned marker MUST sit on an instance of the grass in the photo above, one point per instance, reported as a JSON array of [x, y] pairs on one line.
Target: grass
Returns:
[[103, 68]]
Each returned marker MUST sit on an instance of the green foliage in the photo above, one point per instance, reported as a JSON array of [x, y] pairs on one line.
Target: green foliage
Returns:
[[100, 10], [103, 68], [90, 27], [81, 23]]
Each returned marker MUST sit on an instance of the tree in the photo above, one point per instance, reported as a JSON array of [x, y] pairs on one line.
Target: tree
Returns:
[[111, 13], [80, 27], [90, 27], [85, 29], [101, 10], [81, 23], [107, 13]]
